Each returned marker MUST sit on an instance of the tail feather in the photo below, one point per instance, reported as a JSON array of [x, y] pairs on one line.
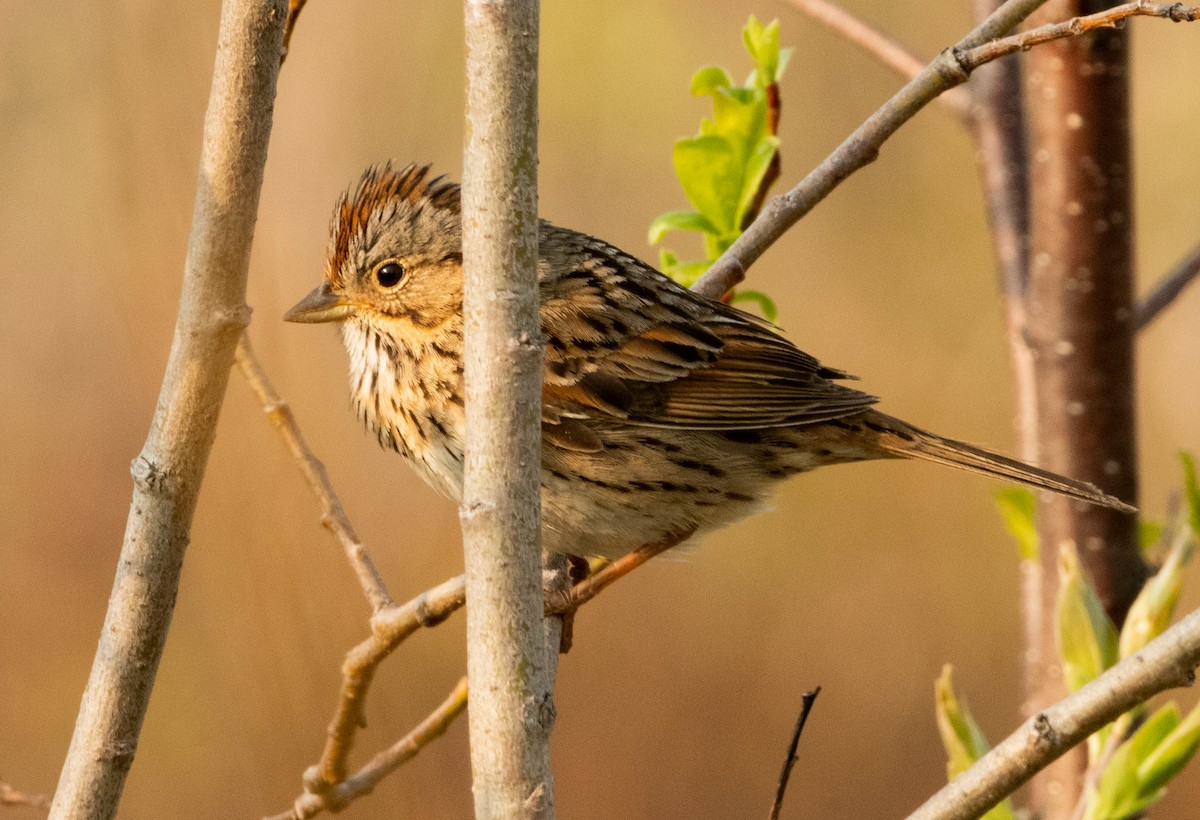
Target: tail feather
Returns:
[[902, 440]]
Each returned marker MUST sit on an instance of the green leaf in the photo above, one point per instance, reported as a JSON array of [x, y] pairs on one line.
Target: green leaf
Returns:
[[710, 175], [1148, 534], [1122, 792], [707, 80], [961, 736], [1151, 612], [757, 164], [785, 57], [678, 221], [766, 304], [762, 43], [740, 115], [1171, 754], [1018, 507], [1087, 640], [1191, 491], [685, 273]]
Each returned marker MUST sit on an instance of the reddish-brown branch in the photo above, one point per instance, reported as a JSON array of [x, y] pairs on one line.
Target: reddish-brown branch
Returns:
[[609, 574], [1080, 329]]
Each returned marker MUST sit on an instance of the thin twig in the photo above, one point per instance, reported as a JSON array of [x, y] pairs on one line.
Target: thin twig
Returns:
[[1110, 18], [12, 797], [1167, 289], [808, 699], [878, 44], [1167, 662], [333, 514], [368, 777], [389, 628]]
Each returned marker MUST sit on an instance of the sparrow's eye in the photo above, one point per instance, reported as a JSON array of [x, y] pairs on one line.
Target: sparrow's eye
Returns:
[[389, 274]]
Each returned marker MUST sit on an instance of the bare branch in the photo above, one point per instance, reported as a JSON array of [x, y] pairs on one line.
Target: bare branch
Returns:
[[368, 777], [807, 699], [880, 45], [1176, 12], [389, 628], [1166, 662], [333, 514], [507, 664], [168, 472], [1167, 289]]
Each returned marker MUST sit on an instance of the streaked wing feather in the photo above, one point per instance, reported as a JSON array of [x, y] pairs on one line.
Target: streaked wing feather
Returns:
[[649, 352]]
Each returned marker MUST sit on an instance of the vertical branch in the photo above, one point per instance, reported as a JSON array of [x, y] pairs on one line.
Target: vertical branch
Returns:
[[997, 123], [1080, 327], [168, 472], [511, 702]]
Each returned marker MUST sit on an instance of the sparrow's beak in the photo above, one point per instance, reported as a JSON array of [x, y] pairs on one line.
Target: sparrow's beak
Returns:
[[322, 305]]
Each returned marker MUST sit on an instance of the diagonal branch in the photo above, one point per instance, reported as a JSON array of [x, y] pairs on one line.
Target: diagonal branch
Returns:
[[369, 776], [856, 151], [324, 781], [1111, 18], [949, 69], [167, 474], [293, 16], [1167, 662], [333, 514], [1167, 289], [389, 628], [807, 701]]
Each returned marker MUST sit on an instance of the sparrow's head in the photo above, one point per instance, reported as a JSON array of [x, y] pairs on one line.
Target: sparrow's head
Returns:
[[395, 252]]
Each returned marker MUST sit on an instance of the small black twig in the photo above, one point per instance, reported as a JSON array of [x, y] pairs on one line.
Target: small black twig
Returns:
[[808, 699]]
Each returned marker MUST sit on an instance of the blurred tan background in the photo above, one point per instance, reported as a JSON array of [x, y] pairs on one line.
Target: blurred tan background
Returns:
[[681, 692]]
